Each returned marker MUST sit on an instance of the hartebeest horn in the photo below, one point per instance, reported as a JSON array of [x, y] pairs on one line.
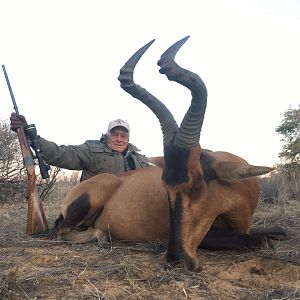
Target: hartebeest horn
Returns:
[[168, 124], [229, 170], [188, 134]]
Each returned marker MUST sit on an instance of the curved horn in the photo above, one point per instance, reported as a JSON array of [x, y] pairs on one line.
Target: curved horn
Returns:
[[126, 73], [168, 124], [188, 134], [171, 52]]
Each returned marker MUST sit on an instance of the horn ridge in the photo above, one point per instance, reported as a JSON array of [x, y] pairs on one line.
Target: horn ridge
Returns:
[[188, 134]]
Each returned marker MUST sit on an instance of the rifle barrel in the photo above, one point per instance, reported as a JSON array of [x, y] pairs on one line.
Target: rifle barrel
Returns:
[[10, 90]]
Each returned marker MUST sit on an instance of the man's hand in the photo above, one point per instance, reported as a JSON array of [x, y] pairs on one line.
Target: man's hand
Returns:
[[17, 121]]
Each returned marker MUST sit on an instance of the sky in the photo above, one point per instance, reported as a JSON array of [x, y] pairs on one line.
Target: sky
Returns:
[[63, 59]]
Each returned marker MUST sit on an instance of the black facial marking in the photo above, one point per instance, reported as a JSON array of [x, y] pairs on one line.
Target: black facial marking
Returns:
[[176, 165], [206, 163], [174, 252]]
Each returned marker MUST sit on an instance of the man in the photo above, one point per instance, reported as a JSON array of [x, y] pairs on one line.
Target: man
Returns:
[[111, 154]]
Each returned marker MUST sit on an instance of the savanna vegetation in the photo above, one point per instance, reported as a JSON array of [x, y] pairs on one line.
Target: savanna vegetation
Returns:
[[32, 268], [284, 184]]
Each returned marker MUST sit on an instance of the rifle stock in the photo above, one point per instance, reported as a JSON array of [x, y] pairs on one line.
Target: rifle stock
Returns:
[[36, 219]]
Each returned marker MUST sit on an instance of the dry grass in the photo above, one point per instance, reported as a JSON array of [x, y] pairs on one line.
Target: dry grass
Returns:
[[38, 269]]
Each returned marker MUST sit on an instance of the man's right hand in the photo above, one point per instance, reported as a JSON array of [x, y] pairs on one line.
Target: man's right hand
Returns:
[[17, 121]]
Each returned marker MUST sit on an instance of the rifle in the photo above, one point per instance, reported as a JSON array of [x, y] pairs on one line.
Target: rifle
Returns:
[[27, 135]]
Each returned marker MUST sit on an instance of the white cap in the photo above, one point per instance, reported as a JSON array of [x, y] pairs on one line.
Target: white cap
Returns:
[[116, 123]]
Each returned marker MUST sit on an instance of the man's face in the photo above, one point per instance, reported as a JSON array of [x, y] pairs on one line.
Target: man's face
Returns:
[[118, 139]]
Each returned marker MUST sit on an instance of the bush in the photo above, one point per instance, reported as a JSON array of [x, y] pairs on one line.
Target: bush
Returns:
[[282, 184]]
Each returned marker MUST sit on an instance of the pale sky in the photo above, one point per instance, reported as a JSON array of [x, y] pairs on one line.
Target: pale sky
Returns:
[[63, 59]]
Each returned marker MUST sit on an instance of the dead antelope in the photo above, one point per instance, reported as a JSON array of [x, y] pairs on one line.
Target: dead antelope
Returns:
[[210, 194], [197, 197]]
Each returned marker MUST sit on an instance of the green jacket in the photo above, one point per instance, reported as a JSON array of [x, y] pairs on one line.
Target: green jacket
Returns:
[[93, 157]]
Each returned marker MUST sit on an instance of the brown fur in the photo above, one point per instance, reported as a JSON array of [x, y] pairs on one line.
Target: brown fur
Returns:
[[134, 205], [230, 203]]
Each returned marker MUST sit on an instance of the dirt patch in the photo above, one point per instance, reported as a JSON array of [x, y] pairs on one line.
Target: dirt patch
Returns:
[[38, 269]]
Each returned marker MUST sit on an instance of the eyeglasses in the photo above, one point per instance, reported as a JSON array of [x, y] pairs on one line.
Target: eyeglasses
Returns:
[[119, 135]]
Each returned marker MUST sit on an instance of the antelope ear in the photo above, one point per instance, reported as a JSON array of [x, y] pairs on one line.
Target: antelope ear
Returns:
[[228, 170], [158, 161]]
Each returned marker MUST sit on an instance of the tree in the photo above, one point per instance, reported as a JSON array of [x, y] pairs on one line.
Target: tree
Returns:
[[11, 164], [13, 176], [12, 172], [290, 170], [290, 129]]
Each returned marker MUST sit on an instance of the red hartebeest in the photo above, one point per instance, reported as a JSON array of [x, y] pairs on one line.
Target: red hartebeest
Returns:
[[200, 197]]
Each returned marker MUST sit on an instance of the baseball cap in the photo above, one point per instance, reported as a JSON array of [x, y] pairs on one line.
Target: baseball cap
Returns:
[[116, 123]]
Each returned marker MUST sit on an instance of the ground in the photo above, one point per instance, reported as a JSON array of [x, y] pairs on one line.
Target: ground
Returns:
[[38, 269]]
